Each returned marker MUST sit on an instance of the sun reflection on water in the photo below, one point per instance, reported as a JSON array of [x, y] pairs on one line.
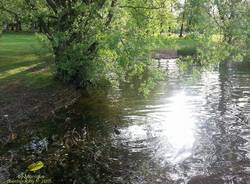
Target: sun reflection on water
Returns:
[[178, 125], [182, 126], [170, 130]]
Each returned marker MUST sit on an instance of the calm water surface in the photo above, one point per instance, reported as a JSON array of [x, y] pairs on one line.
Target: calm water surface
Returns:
[[193, 128]]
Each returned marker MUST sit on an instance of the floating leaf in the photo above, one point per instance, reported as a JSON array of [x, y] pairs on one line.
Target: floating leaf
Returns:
[[36, 166]]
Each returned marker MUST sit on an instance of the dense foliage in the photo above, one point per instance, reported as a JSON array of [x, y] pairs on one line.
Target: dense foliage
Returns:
[[107, 41], [222, 27]]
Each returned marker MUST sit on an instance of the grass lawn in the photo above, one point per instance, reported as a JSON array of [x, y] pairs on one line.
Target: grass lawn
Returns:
[[183, 46], [24, 60], [28, 90]]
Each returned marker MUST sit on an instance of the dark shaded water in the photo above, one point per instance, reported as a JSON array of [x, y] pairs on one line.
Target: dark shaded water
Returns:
[[194, 127]]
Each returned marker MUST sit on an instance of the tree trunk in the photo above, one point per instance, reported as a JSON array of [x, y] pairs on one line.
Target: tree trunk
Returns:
[[6, 26], [32, 27], [169, 30], [181, 31], [12, 28], [182, 20], [18, 25]]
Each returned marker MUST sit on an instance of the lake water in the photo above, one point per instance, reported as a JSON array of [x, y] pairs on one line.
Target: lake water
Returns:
[[194, 128]]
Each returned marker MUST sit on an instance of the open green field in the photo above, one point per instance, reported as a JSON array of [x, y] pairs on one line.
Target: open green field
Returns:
[[23, 59]]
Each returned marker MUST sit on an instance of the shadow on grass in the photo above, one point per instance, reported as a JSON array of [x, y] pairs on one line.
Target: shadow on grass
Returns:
[[10, 63], [23, 60]]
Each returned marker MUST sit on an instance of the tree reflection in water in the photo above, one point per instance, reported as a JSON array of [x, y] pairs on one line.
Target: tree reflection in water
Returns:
[[190, 129]]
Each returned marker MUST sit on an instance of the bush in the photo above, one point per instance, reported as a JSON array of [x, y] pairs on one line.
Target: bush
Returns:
[[187, 51]]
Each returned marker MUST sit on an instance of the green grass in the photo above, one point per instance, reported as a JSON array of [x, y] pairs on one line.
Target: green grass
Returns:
[[23, 59], [184, 46]]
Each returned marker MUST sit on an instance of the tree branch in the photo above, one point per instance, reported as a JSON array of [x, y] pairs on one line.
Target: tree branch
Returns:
[[8, 11], [111, 13], [52, 5], [140, 7]]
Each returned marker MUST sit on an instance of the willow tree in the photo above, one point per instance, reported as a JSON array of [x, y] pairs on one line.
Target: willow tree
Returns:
[[222, 25], [101, 39], [231, 18]]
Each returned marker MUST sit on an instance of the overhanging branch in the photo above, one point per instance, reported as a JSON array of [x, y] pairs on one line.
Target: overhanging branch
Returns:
[[141, 7]]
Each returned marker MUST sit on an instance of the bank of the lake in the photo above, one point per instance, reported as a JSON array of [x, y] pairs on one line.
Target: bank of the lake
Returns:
[[193, 127], [28, 90]]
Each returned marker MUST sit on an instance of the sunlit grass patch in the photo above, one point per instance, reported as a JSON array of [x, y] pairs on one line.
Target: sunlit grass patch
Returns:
[[183, 46], [23, 57], [15, 71]]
